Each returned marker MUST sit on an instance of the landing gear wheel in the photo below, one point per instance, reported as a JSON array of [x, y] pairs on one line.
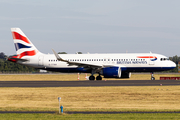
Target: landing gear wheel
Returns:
[[152, 78], [91, 77], [99, 78]]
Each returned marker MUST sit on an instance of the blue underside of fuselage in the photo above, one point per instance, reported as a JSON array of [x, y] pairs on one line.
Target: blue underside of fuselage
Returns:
[[125, 69]]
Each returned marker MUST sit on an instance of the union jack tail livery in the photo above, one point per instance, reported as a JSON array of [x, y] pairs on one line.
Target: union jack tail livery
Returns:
[[23, 45], [25, 50]]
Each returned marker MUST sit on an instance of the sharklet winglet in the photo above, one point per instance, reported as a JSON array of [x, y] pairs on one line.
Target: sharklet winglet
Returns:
[[58, 57]]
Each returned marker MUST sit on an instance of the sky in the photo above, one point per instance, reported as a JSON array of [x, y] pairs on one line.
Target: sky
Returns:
[[94, 26]]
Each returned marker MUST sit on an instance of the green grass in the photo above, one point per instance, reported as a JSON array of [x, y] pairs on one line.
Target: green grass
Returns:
[[124, 116]]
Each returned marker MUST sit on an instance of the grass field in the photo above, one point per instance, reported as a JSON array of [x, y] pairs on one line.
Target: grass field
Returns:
[[158, 116], [144, 98], [155, 98], [66, 77]]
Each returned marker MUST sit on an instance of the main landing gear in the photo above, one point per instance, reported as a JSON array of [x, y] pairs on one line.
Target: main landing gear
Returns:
[[92, 75], [98, 77], [93, 78], [152, 76]]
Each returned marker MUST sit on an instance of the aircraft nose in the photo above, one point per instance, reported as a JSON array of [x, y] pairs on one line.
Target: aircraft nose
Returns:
[[173, 65]]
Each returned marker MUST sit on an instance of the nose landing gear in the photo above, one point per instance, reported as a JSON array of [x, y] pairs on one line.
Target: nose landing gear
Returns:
[[152, 76]]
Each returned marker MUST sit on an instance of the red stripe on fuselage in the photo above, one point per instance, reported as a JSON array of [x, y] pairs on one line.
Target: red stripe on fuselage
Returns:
[[146, 57], [19, 37]]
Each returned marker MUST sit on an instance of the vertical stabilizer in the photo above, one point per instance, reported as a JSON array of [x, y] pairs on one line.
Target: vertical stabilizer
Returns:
[[23, 45]]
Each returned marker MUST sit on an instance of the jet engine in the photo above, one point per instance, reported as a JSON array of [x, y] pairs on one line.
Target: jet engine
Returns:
[[115, 72], [112, 72]]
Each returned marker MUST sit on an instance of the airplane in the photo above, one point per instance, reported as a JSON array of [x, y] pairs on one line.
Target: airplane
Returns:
[[108, 65]]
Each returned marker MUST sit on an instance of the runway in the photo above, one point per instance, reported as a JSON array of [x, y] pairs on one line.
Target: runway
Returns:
[[88, 83]]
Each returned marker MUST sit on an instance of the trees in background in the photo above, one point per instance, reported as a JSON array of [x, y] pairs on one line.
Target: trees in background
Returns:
[[62, 53], [175, 59]]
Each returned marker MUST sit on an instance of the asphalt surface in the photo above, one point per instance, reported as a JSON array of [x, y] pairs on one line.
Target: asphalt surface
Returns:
[[113, 112], [30, 112], [88, 83]]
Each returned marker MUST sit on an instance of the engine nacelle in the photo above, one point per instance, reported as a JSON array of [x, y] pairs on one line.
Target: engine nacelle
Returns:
[[112, 72], [125, 75], [115, 72]]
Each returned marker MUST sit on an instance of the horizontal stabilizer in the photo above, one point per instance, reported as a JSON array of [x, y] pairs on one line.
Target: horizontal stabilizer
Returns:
[[17, 59]]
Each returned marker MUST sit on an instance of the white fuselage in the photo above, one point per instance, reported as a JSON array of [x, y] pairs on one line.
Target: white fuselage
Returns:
[[131, 62]]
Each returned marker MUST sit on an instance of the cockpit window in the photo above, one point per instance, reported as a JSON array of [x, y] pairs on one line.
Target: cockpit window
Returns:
[[164, 59]]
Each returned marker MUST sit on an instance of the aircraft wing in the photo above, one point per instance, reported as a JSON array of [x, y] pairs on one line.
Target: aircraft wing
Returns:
[[85, 65]]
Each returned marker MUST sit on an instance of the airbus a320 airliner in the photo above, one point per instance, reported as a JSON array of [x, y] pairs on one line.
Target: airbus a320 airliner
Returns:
[[107, 65]]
